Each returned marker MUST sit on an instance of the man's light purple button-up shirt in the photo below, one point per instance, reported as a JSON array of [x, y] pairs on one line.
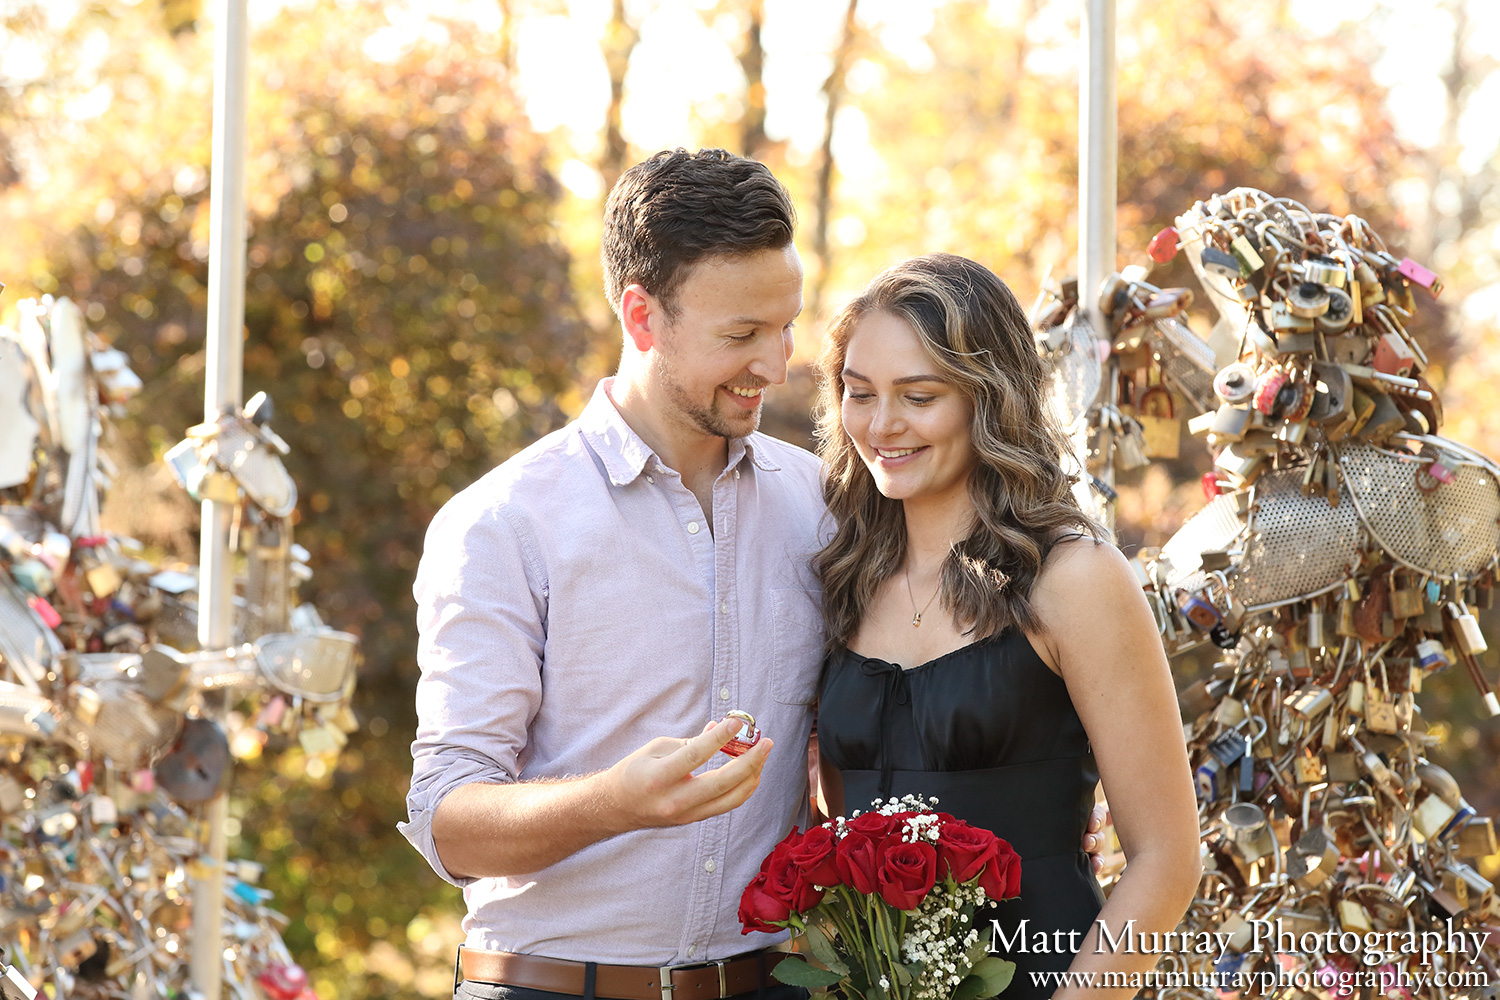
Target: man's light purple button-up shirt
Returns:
[[573, 605]]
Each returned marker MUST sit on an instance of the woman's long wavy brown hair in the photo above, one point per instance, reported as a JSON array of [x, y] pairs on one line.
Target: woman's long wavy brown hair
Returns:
[[978, 336]]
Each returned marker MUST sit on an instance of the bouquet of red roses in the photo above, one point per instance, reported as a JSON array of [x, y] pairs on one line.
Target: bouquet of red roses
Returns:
[[886, 903]]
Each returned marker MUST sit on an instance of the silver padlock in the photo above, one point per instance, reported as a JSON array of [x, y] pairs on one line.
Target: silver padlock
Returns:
[[1466, 630], [1248, 831]]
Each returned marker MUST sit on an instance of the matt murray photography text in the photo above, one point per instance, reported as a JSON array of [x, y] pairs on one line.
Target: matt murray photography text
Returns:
[[1371, 947]]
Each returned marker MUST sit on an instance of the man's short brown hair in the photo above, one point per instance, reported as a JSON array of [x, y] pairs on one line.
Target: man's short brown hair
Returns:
[[669, 212]]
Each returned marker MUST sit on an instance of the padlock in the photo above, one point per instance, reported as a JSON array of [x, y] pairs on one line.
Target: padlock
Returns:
[[1384, 420], [1229, 746], [1249, 832], [1235, 384], [1230, 712], [1393, 356], [1216, 261], [1228, 423], [1313, 859], [1339, 314], [1372, 292], [1208, 779], [1161, 430], [1307, 300], [1163, 246], [1198, 610], [1466, 632], [1419, 275], [1406, 600], [1284, 320], [1246, 256], [1442, 472], [1380, 713], [1354, 918], [1130, 446], [1310, 702], [1317, 636], [1167, 303], [1431, 816], [1342, 767], [1309, 770], [1476, 839]]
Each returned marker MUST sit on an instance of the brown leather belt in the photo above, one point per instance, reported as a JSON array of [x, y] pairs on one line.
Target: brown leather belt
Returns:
[[711, 981]]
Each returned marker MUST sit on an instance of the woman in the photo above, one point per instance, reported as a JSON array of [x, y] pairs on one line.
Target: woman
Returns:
[[985, 645]]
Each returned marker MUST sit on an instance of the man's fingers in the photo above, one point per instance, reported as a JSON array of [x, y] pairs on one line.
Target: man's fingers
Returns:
[[730, 795], [694, 753]]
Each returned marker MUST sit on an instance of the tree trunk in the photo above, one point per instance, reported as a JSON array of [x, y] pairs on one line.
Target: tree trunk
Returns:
[[752, 63], [833, 92], [620, 38], [508, 36]]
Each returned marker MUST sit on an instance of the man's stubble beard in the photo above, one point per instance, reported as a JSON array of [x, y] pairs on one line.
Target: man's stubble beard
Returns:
[[706, 419]]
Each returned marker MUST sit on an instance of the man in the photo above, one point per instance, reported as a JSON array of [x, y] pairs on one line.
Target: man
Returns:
[[607, 590], [600, 595]]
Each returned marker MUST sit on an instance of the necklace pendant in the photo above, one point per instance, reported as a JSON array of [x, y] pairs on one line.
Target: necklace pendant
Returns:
[[916, 619]]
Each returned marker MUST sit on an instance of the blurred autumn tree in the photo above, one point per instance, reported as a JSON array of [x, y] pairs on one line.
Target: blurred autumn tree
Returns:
[[408, 310]]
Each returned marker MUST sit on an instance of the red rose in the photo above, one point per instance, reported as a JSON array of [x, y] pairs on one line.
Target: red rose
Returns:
[[814, 856], [873, 825], [786, 881], [1001, 877], [760, 909], [906, 873], [963, 849], [856, 859], [787, 843]]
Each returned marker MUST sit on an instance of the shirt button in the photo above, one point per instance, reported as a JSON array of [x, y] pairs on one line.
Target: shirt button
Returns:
[[709, 865], [723, 607], [650, 479], [723, 694], [692, 527], [691, 950]]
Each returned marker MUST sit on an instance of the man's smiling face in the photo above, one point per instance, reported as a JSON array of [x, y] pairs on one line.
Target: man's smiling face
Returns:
[[731, 336]]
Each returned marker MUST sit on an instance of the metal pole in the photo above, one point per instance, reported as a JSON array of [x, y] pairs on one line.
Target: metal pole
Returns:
[[223, 392], [1097, 173]]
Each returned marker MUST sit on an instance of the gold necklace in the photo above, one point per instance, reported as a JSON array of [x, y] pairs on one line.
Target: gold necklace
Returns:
[[916, 617]]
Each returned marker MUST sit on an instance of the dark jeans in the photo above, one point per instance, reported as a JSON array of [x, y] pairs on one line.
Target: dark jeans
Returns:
[[473, 989]]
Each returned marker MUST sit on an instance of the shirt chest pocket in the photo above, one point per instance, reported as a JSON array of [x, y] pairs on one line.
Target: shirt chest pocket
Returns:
[[796, 645]]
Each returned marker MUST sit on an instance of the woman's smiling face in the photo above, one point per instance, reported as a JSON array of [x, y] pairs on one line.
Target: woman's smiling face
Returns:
[[910, 426]]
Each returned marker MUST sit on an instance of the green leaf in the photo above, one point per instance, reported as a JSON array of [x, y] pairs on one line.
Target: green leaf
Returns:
[[969, 988], [979, 950], [903, 974], [995, 974], [823, 950], [796, 972]]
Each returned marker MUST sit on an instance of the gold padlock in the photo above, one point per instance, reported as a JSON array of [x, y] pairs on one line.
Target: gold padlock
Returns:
[[1406, 600], [1161, 430], [1477, 838]]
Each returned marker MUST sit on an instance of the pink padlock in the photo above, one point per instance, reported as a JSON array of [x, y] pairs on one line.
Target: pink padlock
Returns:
[[45, 611]]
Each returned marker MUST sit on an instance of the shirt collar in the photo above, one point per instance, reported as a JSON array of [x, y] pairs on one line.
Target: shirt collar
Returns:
[[625, 455]]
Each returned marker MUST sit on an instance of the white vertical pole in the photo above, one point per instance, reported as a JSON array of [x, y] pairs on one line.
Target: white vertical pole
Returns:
[[1097, 173], [223, 391], [1097, 154]]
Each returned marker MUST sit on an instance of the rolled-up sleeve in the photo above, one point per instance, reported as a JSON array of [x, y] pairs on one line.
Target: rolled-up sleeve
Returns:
[[481, 617]]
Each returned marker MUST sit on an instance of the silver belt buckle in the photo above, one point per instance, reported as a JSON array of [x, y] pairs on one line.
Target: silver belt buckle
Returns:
[[667, 986]]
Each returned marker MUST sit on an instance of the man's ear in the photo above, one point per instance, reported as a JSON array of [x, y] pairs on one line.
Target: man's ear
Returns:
[[640, 316]]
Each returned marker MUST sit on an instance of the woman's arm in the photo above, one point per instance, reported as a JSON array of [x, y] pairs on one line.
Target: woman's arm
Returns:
[[1101, 637]]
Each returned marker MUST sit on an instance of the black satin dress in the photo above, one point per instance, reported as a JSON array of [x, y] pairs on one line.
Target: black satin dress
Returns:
[[991, 732]]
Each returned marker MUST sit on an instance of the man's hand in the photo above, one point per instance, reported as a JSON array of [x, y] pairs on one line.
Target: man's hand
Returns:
[[655, 785], [1093, 839]]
